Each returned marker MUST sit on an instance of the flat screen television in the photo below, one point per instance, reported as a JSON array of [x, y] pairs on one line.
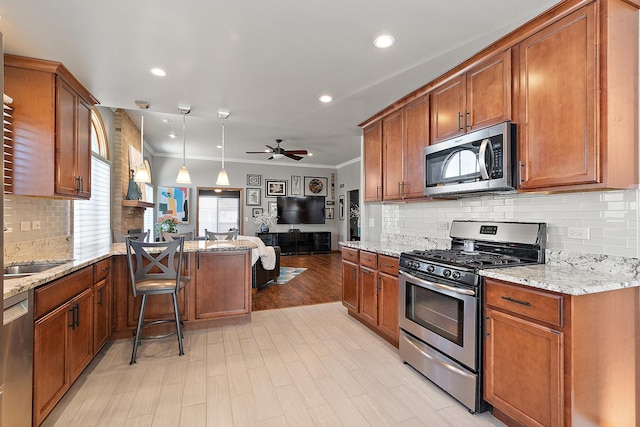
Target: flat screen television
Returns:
[[301, 210]]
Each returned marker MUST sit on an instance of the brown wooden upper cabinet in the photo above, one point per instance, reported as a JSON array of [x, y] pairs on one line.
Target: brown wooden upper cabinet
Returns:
[[475, 99], [578, 111], [52, 129], [405, 133], [372, 158]]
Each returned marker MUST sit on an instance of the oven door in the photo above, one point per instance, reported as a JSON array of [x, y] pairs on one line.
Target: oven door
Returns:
[[442, 315]]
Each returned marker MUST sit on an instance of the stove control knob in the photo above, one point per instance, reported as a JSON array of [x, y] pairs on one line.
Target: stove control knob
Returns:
[[430, 269], [446, 273], [415, 265], [456, 275]]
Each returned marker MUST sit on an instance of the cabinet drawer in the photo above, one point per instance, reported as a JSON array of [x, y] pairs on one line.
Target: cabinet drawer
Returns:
[[101, 270], [369, 259], [56, 293], [349, 254], [538, 305], [388, 265]]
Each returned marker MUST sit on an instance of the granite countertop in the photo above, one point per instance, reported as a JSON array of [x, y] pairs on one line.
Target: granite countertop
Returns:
[[15, 286], [387, 247]]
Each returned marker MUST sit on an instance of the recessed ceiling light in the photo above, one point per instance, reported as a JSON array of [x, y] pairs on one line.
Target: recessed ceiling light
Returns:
[[218, 146], [326, 98], [172, 135], [309, 154], [158, 72], [166, 120], [384, 41]]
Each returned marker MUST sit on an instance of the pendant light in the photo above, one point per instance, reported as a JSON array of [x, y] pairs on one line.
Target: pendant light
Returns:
[[183, 174], [223, 178], [141, 173]]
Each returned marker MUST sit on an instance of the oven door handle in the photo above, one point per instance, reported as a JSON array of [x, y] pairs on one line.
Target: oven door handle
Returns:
[[430, 284]]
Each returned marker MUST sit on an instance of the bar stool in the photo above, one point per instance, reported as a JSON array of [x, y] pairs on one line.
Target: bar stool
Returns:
[[188, 235], [225, 235], [155, 272]]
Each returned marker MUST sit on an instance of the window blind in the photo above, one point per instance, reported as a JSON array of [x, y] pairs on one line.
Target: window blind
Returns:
[[92, 218], [149, 217], [7, 133]]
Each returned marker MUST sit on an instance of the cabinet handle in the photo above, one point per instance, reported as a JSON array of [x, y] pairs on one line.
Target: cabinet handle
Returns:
[[378, 283], [387, 265], [378, 192], [100, 296], [104, 270], [467, 119], [459, 121], [520, 166], [400, 188], [486, 331], [353, 274], [77, 321], [367, 271], [72, 310], [528, 304], [78, 183]]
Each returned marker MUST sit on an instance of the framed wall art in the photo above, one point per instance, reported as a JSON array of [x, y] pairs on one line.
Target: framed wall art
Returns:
[[273, 207], [341, 207], [276, 187], [254, 180], [173, 202], [328, 213], [256, 211], [296, 185], [253, 197], [315, 186]]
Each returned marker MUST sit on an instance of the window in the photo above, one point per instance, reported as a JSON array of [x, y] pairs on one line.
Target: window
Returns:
[[149, 217], [92, 218], [218, 210]]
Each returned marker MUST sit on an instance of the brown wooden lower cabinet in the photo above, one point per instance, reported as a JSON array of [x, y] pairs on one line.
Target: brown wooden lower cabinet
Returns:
[[370, 290], [561, 360], [63, 338], [102, 291]]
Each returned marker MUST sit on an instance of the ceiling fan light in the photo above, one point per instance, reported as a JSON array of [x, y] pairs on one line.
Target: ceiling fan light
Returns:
[[278, 156], [183, 176], [223, 178], [142, 174]]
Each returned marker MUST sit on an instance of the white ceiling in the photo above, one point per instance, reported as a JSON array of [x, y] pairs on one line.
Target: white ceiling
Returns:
[[266, 62]]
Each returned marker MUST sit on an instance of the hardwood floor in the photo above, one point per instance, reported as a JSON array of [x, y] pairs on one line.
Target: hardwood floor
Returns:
[[320, 283], [302, 366]]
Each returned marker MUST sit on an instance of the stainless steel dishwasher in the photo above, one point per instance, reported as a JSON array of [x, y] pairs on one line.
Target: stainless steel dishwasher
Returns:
[[17, 357]]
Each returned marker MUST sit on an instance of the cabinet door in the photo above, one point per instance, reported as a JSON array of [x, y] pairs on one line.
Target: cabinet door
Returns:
[[524, 369], [393, 140], [388, 304], [83, 148], [66, 179], [489, 92], [80, 336], [557, 132], [368, 283], [350, 285], [50, 375], [416, 138], [223, 283], [372, 153], [448, 109], [102, 313]]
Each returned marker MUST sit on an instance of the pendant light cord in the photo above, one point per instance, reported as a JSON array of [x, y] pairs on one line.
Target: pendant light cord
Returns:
[[222, 144], [184, 138], [142, 136]]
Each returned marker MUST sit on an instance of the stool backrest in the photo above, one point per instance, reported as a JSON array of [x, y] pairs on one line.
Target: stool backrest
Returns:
[[154, 260], [226, 235], [119, 237], [174, 236]]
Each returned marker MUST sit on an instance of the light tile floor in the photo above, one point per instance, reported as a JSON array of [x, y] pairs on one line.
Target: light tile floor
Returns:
[[301, 366]]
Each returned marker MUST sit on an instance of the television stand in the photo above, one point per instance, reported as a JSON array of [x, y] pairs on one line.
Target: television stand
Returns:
[[296, 242]]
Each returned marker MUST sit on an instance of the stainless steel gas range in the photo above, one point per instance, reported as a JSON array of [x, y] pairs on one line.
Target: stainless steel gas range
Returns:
[[440, 312]]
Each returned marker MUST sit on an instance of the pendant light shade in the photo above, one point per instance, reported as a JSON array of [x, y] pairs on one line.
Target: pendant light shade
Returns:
[[223, 178], [141, 174], [183, 174]]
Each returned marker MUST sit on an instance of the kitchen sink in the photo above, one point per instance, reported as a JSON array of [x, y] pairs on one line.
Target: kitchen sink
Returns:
[[18, 271]]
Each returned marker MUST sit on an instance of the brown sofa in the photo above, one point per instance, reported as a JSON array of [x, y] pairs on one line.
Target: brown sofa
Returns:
[[260, 276]]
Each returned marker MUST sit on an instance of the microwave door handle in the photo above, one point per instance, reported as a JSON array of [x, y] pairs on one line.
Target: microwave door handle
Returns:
[[484, 173]]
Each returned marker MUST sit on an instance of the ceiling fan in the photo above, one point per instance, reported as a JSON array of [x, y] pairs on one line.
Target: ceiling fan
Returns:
[[279, 152]]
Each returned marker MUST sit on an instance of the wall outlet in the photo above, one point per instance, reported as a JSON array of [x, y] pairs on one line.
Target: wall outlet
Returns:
[[25, 226], [35, 225], [578, 233], [443, 225]]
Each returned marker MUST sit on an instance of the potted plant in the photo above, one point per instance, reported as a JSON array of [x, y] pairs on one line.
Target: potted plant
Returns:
[[170, 225], [265, 220]]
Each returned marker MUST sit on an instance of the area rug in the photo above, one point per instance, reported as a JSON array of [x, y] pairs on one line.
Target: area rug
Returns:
[[287, 273]]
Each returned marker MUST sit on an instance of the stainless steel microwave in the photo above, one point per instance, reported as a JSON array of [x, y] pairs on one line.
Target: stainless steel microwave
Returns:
[[477, 162]]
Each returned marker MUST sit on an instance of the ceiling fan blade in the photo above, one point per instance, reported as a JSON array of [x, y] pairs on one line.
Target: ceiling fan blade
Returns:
[[270, 158], [292, 156], [301, 152], [255, 152], [269, 147]]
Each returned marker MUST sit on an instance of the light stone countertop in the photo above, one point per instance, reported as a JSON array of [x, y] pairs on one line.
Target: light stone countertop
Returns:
[[565, 272], [15, 286]]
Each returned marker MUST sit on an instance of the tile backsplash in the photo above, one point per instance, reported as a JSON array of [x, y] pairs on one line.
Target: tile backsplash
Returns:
[[610, 216]]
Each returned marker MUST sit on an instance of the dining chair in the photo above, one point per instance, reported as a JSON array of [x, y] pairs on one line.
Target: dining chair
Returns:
[[155, 268], [225, 235]]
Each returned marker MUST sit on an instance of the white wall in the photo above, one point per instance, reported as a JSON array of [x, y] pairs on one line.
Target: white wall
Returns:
[[611, 216], [205, 172], [348, 179]]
